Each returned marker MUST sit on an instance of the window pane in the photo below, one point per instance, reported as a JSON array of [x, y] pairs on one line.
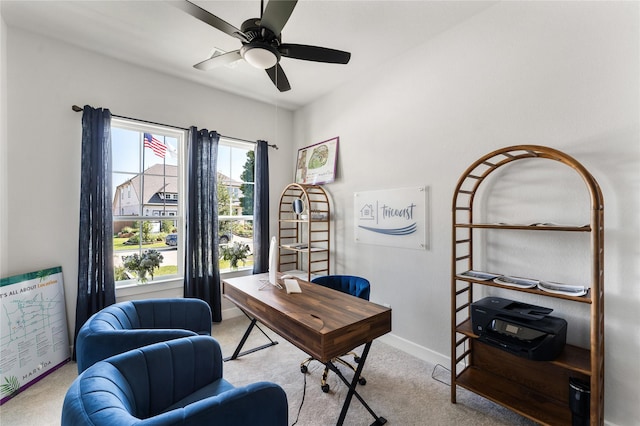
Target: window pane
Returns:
[[125, 145], [224, 160], [235, 204], [143, 238], [160, 190], [241, 159], [236, 244], [236, 164], [146, 202], [126, 194]]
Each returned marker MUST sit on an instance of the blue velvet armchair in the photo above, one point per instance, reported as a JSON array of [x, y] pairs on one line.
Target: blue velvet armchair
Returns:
[[129, 325], [178, 382]]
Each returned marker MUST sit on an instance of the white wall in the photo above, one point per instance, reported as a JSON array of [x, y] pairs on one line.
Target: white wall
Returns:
[[42, 173], [561, 74], [558, 74], [3, 145]]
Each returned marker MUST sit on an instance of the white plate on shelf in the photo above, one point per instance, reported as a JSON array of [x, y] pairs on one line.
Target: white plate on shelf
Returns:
[[516, 281], [296, 246], [566, 289], [479, 275]]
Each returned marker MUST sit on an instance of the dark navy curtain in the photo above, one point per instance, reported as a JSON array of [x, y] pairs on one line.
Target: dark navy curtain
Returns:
[[202, 273], [261, 237], [96, 286]]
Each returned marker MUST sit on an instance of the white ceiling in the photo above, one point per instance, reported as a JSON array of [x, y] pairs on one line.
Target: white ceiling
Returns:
[[157, 35]]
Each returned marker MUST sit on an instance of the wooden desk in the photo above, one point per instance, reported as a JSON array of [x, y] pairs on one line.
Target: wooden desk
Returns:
[[322, 322]]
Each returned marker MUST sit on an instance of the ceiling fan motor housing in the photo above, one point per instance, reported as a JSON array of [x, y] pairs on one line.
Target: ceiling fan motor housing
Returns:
[[261, 50]]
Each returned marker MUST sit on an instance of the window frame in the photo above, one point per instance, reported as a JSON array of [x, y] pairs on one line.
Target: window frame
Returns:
[[182, 138], [172, 284], [248, 146]]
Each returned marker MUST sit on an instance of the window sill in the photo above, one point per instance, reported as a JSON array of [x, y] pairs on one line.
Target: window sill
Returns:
[[237, 273], [130, 291]]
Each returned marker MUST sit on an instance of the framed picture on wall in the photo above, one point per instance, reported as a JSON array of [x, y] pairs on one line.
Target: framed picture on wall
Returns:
[[317, 163]]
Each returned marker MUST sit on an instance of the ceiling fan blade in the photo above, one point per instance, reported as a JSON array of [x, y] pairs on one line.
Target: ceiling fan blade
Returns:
[[279, 78], [209, 18], [314, 53], [218, 60], [276, 14]]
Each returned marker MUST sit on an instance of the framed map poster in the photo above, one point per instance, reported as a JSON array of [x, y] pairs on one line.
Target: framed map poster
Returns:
[[34, 336], [317, 163]]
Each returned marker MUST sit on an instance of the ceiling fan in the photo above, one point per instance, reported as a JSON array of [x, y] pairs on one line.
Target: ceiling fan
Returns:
[[261, 40]]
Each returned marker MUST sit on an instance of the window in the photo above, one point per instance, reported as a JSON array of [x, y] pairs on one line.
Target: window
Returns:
[[146, 164], [235, 203], [151, 214]]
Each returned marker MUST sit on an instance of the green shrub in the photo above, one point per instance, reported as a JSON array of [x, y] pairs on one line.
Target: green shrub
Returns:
[[234, 253], [143, 264], [133, 240], [120, 273], [243, 229]]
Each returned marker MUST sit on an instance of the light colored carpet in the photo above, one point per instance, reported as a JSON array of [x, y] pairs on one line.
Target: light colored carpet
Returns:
[[399, 388]]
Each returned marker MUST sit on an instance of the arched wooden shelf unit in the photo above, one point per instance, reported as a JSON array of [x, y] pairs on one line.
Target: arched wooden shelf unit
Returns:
[[538, 390], [304, 239]]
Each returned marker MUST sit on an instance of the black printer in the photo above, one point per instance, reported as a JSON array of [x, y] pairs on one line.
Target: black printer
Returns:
[[519, 328]]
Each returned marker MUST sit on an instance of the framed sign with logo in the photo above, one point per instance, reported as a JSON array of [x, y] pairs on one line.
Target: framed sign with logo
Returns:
[[392, 217]]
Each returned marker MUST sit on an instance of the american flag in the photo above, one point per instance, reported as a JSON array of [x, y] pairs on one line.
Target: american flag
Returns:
[[155, 145]]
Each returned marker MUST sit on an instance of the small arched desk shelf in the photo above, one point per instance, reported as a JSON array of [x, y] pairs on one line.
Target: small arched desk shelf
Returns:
[[304, 238]]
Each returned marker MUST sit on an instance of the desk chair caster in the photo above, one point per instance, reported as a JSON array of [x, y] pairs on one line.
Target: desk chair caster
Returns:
[[323, 383]]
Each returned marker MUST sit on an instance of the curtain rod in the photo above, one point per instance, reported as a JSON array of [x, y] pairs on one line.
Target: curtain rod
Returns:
[[76, 108]]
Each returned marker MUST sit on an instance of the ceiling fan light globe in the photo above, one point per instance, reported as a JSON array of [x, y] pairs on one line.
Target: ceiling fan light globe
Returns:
[[260, 57]]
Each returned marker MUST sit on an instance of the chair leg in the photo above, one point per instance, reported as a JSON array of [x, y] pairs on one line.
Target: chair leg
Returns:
[[304, 368], [361, 380], [304, 365], [323, 382], [356, 357]]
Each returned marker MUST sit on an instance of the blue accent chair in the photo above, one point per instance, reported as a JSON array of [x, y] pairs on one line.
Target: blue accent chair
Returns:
[[355, 286], [130, 325], [178, 382]]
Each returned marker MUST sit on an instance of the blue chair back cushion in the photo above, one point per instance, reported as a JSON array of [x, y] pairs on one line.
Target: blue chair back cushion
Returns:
[[178, 382], [355, 286], [133, 324]]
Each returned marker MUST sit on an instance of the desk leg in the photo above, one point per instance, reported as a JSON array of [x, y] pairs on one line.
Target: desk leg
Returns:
[[353, 391], [237, 352]]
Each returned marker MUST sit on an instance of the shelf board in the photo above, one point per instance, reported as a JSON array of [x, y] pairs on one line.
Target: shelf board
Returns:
[[303, 220], [585, 228], [572, 357], [304, 250], [582, 299], [527, 402]]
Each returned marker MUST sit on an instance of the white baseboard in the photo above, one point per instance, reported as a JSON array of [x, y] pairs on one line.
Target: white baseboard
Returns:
[[231, 313], [418, 351]]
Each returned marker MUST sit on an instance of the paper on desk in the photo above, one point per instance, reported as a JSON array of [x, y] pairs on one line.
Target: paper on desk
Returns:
[[292, 286]]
